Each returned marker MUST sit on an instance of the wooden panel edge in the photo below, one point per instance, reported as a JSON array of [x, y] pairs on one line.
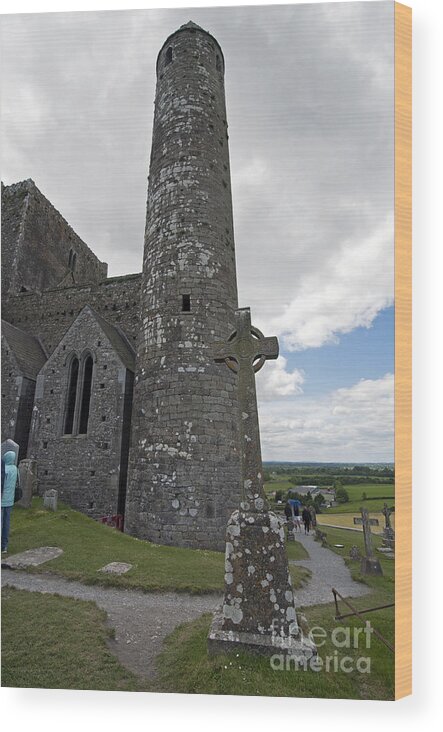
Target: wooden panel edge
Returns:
[[403, 349]]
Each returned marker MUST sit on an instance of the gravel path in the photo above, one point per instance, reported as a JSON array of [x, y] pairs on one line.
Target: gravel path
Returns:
[[141, 620], [328, 570]]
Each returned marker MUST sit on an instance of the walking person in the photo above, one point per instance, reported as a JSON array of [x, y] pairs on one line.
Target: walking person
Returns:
[[8, 496], [297, 521], [306, 516]]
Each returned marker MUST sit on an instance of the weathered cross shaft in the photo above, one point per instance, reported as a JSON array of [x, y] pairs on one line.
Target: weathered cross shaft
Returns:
[[258, 611], [245, 353]]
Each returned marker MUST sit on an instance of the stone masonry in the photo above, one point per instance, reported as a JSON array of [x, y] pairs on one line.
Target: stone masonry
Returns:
[[184, 479], [84, 467], [154, 383], [29, 219]]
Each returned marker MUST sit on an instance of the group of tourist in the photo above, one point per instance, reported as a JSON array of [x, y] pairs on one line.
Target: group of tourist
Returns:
[[295, 518]]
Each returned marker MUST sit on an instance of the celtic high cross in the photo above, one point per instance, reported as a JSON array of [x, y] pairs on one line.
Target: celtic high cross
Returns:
[[245, 352]]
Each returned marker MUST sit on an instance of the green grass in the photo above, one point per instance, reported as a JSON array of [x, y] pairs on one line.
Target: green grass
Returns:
[[62, 643], [185, 667], [348, 538], [277, 485], [54, 642], [377, 495], [300, 576], [88, 545], [295, 550]]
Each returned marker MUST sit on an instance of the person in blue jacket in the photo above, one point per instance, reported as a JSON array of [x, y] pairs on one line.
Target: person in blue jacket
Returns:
[[8, 495]]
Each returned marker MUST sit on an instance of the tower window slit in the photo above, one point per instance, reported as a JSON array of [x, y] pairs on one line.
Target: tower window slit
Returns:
[[168, 56], [186, 303]]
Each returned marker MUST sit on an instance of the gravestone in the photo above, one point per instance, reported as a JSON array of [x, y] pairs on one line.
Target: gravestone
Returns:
[[116, 568], [354, 553], [50, 499], [8, 445], [31, 557], [388, 531], [369, 563], [258, 613], [28, 481]]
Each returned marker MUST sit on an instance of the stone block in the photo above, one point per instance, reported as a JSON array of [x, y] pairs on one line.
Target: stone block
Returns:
[[28, 481], [371, 565], [50, 500], [116, 568]]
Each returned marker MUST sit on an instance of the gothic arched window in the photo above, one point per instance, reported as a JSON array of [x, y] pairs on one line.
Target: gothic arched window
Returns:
[[86, 395], [71, 397]]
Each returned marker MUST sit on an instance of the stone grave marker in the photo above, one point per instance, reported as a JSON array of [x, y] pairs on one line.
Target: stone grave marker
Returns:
[[258, 613], [388, 531], [28, 481], [369, 563], [116, 568], [50, 499], [31, 557]]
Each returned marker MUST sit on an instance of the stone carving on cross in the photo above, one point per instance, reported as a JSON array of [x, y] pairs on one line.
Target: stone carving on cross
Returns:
[[245, 352]]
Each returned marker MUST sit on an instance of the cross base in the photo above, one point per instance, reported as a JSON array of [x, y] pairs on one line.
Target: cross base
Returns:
[[220, 641], [371, 565]]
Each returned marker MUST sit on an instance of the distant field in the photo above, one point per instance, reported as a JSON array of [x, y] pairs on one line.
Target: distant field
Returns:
[[346, 520], [372, 491], [277, 485], [377, 495]]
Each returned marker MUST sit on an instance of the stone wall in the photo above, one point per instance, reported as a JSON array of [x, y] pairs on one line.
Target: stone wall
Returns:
[[184, 466], [17, 402], [83, 468], [14, 203], [11, 388], [28, 220], [49, 314]]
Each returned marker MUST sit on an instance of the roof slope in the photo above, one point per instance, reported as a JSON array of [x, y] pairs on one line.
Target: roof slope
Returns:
[[118, 340], [27, 349]]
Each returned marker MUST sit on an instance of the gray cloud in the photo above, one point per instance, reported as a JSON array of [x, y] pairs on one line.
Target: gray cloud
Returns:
[[310, 110]]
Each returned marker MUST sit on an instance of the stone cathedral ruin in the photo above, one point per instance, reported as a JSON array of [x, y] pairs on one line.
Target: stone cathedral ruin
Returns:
[[110, 383]]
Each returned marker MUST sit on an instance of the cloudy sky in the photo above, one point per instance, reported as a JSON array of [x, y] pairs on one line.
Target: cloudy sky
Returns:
[[310, 109]]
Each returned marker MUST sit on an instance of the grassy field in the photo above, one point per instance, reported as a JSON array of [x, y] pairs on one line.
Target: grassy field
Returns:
[[346, 520], [277, 485], [185, 667], [88, 545], [377, 496], [63, 642], [56, 642]]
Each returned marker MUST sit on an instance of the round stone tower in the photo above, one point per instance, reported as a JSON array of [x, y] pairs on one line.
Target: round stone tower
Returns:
[[184, 463]]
